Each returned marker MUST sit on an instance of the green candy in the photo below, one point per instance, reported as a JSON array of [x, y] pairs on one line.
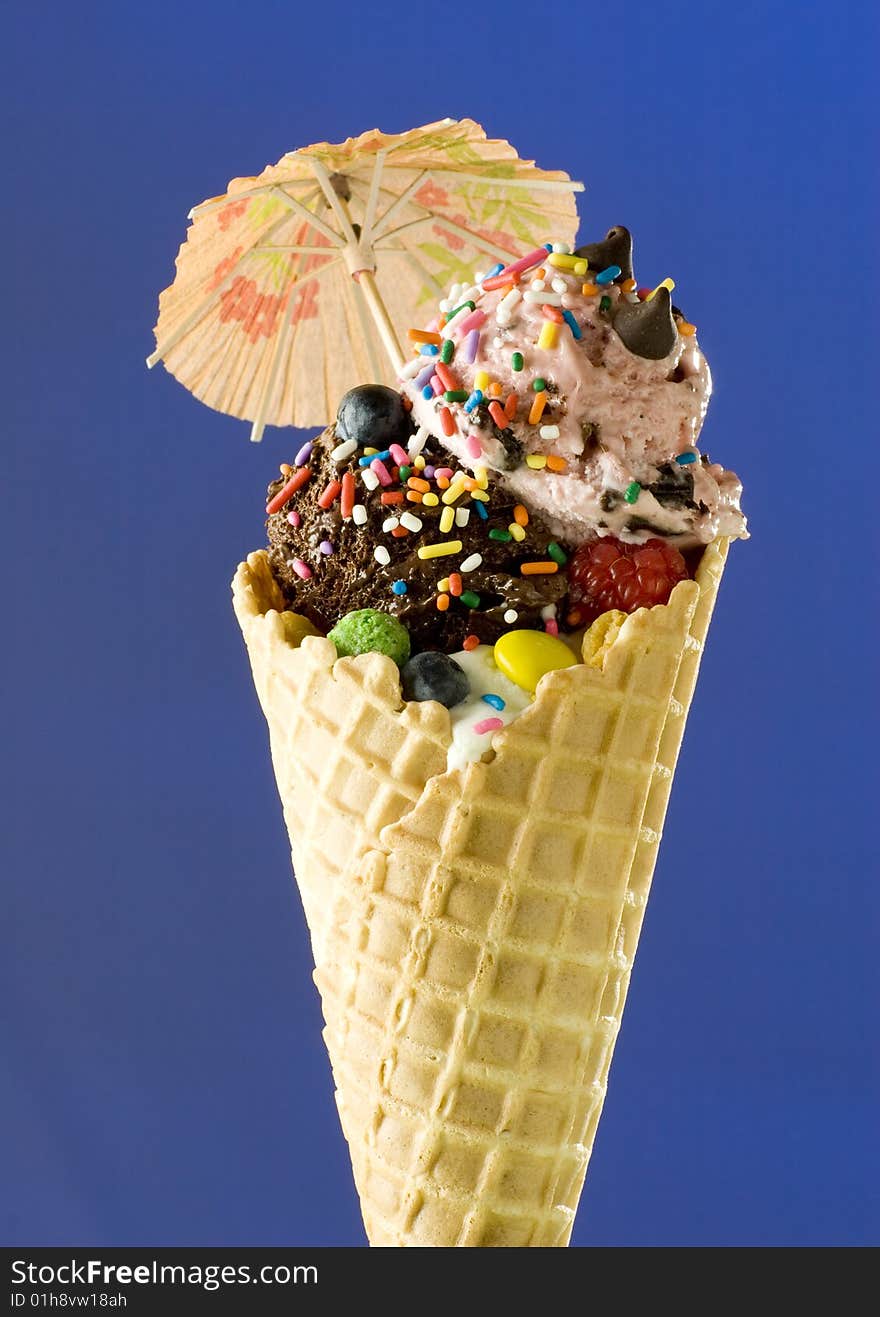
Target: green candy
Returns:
[[369, 631]]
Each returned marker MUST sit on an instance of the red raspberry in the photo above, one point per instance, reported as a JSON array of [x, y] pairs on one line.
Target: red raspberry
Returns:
[[606, 574]]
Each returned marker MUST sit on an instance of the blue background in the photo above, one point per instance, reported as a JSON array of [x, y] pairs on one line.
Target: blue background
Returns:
[[166, 1080]]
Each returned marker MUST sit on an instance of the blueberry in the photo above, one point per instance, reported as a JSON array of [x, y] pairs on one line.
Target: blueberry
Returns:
[[431, 676], [373, 416]]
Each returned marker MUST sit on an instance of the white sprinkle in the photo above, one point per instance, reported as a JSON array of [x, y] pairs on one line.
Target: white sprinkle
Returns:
[[544, 299], [359, 514], [549, 432], [472, 563], [446, 304], [389, 524], [537, 285], [381, 554], [342, 451], [548, 612], [559, 285], [370, 479], [411, 522], [411, 368], [479, 276], [418, 441], [506, 307], [511, 615], [462, 516], [498, 342], [562, 248], [452, 325]]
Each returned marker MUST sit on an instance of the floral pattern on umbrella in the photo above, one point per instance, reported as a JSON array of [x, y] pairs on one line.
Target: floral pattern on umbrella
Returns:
[[289, 287]]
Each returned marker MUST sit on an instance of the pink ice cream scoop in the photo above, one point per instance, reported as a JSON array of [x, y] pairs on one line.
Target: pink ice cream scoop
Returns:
[[585, 396]]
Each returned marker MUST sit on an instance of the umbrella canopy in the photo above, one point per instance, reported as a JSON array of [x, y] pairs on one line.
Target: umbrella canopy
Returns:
[[289, 286]]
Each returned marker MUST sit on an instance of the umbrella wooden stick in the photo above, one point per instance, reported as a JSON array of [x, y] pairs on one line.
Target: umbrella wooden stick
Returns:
[[381, 318], [355, 294], [441, 221], [163, 348], [366, 277], [309, 216], [373, 196], [302, 251], [406, 195], [492, 181], [259, 424]]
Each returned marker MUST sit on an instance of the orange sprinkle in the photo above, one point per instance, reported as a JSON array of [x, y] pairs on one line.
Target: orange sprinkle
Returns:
[[423, 336], [521, 515], [495, 389], [510, 406], [575, 617], [538, 407], [286, 493], [628, 285], [407, 403], [470, 642], [442, 603], [285, 468], [499, 416], [685, 327], [347, 494], [589, 290], [552, 313], [391, 496], [502, 280], [446, 422], [415, 482], [413, 496], [399, 532], [447, 377], [539, 274], [455, 586], [469, 483], [330, 495], [555, 463], [539, 568], [442, 482]]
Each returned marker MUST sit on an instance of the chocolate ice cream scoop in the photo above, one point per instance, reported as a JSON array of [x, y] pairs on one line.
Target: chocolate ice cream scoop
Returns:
[[412, 534]]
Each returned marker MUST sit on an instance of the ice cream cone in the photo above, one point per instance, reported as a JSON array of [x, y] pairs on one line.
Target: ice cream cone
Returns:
[[474, 930]]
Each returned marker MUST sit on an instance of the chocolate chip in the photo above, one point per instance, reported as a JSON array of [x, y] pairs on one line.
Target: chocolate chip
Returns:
[[647, 328], [616, 248]]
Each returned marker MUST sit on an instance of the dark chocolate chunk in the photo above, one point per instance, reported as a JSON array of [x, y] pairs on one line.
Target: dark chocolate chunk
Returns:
[[611, 499], [642, 523], [513, 449], [590, 435], [675, 487], [616, 248], [647, 328]]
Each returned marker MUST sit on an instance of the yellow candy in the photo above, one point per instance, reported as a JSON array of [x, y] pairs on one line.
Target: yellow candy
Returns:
[[525, 656]]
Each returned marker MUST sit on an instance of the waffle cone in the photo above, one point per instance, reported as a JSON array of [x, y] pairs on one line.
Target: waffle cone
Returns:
[[474, 931]]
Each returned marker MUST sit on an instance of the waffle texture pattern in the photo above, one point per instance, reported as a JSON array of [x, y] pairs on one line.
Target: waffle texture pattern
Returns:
[[474, 931]]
